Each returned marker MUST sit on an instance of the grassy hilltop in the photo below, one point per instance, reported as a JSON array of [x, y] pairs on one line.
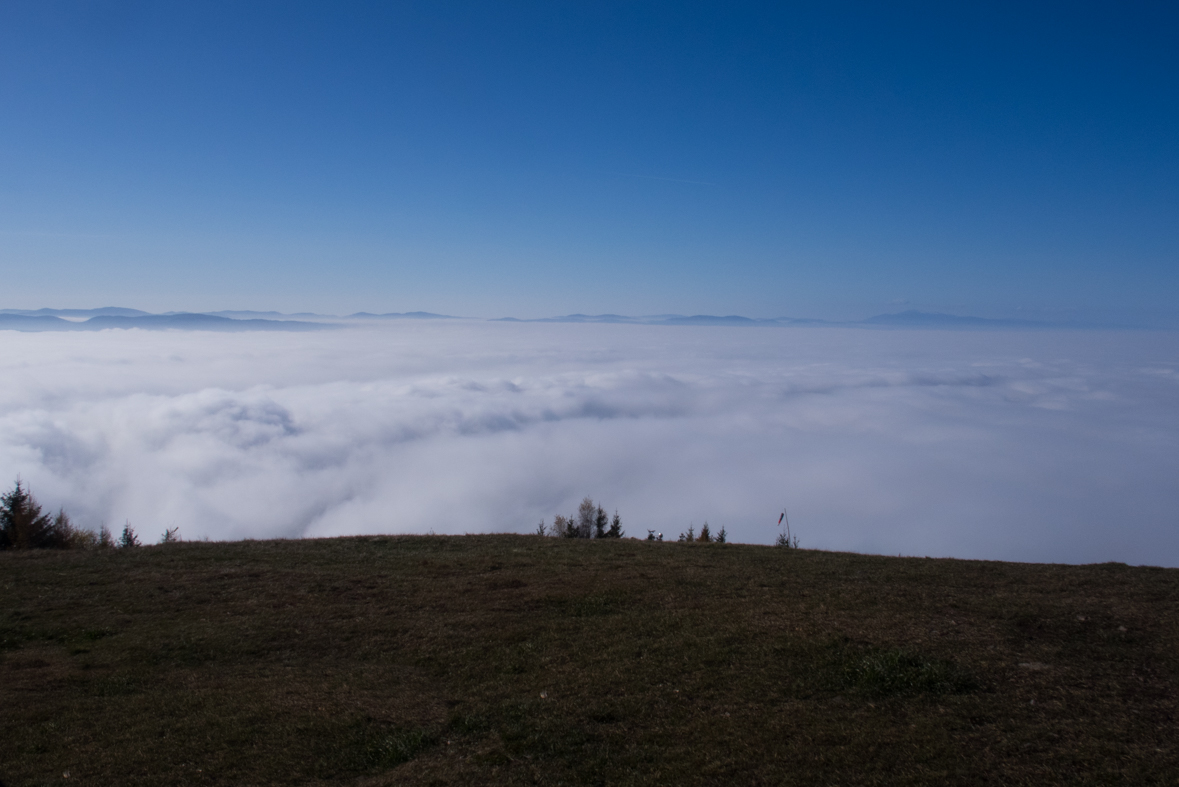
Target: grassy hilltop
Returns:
[[521, 659]]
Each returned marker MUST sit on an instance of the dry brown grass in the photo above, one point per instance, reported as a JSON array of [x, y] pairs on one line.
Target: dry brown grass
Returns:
[[520, 659]]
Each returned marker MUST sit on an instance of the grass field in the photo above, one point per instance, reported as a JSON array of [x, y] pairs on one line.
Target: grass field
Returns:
[[520, 659]]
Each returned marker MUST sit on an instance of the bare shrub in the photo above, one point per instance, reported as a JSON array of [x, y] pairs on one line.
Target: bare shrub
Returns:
[[586, 514]]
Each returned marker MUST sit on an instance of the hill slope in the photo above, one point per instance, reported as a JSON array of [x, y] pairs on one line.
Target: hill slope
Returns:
[[520, 659]]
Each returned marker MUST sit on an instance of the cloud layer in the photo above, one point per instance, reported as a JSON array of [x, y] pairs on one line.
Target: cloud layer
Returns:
[[1046, 446]]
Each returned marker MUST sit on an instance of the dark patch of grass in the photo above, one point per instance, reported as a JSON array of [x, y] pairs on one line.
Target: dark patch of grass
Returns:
[[368, 745], [111, 686], [594, 605], [11, 637], [505, 659], [93, 635], [896, 673]]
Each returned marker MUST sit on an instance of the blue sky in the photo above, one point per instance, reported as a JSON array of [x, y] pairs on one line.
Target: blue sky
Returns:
[[534, 159]]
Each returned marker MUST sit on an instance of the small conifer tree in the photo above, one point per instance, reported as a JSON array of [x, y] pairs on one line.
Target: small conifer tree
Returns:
[[63, 534], [615, 530], [565, 527], [22, 525], [705, 535], [128, 539], [600, 523], [786, 542]]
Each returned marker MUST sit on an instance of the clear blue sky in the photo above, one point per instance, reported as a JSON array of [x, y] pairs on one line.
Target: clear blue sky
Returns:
[[494, 158]]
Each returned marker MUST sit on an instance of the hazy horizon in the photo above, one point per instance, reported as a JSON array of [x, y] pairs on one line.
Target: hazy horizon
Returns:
[[232, 319]]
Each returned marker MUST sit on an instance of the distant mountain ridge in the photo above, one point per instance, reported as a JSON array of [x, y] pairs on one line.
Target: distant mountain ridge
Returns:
[[106, 311], [916, 319], [243, 320], [671, 319], [252, 315], [911, 319], [143, 320], [402, 316], [108, 317]]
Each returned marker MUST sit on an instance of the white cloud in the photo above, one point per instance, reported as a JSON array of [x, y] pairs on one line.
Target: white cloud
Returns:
[[1028, 446]]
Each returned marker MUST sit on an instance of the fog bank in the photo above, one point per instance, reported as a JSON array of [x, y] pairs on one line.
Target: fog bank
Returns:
[[1040, 446]]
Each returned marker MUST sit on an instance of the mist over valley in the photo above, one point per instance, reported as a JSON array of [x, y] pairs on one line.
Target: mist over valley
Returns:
[[1019, 445]]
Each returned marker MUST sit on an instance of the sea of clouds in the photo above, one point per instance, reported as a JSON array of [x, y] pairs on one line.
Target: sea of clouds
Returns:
[[1035, 445]]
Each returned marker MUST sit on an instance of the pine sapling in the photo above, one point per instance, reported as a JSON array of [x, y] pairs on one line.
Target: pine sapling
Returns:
[[128, 539], [615, 530], [600, 523]]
